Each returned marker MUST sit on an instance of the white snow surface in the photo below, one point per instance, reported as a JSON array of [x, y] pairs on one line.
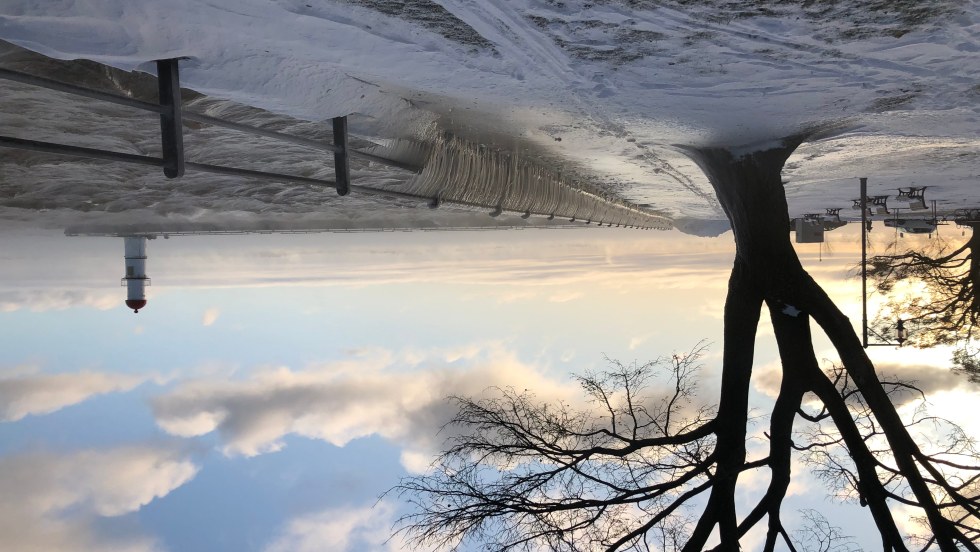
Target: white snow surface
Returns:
[[609, 86]]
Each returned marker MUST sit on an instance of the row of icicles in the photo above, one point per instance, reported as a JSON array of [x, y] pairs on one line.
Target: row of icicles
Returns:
[[463, 173]]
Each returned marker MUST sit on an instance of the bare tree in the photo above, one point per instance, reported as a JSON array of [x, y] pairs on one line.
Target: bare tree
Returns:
[[818, 535], [949, 456], [523, 474], [643, 477], [625, 469]]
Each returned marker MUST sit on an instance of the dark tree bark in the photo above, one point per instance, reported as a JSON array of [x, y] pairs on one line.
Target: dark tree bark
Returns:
[[742, 309], [750, 191]]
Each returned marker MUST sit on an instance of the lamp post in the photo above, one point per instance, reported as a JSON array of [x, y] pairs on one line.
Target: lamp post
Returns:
[[901, 332], [864, 260], [901, 336]]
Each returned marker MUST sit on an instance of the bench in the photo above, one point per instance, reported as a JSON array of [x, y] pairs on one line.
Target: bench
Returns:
[[915, 196]]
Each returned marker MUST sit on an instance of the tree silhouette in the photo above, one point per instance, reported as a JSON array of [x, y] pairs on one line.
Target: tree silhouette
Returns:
[[818, 535], [641, 473], [947, 310], [623, 470], [553, 475]]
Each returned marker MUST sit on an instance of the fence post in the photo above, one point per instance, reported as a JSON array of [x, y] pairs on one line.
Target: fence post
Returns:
[[171, 126], [341, 157], [864, 262]]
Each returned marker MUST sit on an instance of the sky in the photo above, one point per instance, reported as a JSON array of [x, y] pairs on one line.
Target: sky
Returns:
[[276, 385], [283, 382]]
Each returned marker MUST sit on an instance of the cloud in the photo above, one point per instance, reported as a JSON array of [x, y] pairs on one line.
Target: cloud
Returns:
[[637, 341], [340, 530], [210, 316], [56, 501], [515, 265], [40, 300], [512, 296], [106, 482], [374, 393], [755, 482], [565, 296], [31, 393], [767, 378], [399, 396], [931, 379]]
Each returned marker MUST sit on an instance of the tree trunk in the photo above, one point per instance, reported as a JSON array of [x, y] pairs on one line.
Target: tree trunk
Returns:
[[973, 281], [742, 310], [749, 189], [800, 365]]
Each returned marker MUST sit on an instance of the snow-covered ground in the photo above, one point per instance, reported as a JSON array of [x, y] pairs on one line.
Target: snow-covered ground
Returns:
[[608, 88], [608, 91]]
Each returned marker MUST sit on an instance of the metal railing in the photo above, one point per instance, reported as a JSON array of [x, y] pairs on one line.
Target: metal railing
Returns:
[[172, 161], [152, 233]]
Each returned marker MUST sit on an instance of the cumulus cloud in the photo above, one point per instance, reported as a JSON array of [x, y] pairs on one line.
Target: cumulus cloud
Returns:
[[399, 396], [24, 393], [373, 393], [52, 501], [341, 530]]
